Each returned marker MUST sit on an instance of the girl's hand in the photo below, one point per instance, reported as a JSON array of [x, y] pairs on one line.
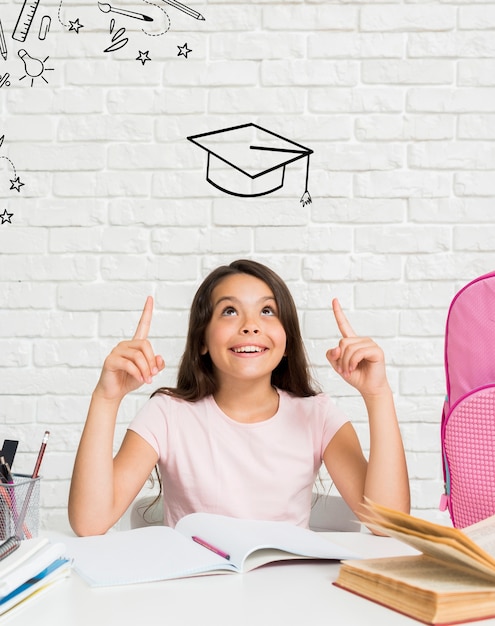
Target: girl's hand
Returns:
[[359, 360], [131, 363]]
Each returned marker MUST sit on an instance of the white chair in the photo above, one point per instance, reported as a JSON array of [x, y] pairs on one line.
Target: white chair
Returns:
[[328, 513]]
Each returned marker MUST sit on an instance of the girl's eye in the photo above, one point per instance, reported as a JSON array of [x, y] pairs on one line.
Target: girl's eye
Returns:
[[229, 311], [268, 310]]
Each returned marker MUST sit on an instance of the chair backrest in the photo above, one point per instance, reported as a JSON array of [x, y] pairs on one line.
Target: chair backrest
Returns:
[[328, 513]]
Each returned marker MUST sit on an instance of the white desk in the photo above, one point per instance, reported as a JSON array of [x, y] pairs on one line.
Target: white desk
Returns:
[[289, 594]]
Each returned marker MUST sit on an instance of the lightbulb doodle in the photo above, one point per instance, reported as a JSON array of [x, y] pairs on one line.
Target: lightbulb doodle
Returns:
[[28, 24], [34, 68]]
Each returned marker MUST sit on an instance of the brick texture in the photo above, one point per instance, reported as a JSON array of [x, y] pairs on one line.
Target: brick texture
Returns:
[[397, 101]]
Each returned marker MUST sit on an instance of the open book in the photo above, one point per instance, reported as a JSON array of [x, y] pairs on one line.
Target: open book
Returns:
[[451, 580], [221, 544]]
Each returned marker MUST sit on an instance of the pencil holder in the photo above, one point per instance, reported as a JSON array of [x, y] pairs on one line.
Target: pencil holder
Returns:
[[19, 507]]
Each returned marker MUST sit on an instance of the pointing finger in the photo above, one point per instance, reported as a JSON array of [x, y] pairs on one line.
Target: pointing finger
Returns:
[[144, 324], [342, 321]]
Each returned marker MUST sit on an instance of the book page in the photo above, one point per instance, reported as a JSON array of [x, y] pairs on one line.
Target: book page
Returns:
[[140, 555], [446, 551], [409, 526], [239, 538], [423, 572], [483, 534]]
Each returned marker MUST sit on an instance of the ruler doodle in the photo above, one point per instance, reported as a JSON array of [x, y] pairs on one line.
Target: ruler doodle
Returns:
[[25, 20]]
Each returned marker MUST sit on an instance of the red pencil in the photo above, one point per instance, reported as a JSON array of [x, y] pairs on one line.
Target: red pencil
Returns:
[[40, 454]]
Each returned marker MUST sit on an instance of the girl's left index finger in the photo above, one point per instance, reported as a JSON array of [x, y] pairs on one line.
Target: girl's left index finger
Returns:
[[342, 321]]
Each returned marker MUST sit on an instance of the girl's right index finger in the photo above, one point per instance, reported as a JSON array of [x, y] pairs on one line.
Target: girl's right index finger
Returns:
[[144, 323], [342, 321]]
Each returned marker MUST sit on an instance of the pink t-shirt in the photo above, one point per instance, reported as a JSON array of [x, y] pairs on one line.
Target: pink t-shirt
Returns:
[[211, 463]]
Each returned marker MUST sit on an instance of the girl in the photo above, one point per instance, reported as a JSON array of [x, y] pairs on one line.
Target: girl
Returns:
[[245, 430]]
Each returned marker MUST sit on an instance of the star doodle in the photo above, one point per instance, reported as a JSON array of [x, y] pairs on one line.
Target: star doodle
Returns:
[[16, 184], [143, 56], [6, 217], [184, 51], [75, 25]]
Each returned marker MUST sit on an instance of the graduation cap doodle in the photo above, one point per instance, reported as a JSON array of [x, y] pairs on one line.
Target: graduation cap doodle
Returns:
[[249, 161]]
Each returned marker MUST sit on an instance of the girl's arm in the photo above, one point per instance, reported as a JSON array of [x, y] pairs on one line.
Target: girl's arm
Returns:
[[102, 487], [383, 478]]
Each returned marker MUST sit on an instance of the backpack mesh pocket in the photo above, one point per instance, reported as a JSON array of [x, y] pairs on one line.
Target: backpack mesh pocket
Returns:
[[469, 445]]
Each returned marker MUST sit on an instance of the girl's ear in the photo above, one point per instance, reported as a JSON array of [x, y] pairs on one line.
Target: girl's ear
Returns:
[[204, 350]]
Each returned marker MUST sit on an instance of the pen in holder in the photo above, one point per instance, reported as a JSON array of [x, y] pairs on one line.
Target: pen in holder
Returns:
[[19, 507]]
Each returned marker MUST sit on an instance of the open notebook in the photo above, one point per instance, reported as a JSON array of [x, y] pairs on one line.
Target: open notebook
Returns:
[[159, 552]]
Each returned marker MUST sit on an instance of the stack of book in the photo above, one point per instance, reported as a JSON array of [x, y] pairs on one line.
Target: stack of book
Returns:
[[29, 567]]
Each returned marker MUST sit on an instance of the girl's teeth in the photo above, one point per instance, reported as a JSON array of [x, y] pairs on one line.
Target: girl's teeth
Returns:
[[248, 349]]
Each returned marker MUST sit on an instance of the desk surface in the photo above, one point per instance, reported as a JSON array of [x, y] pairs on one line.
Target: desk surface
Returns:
[[288, 593]]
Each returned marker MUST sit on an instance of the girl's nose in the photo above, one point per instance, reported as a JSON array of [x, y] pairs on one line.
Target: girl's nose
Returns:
[[250, 328]]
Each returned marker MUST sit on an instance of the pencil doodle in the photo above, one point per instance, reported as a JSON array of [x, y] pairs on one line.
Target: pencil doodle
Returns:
[[6, 217], [250, 161], [34, 68], [184, 51], [185, 9], [3, 42]]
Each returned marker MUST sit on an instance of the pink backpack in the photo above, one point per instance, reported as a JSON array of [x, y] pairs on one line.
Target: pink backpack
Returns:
[[468, 420]]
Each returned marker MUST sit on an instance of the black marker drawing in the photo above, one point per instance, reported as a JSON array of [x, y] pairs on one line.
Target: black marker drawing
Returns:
[[25, 20], [46, 22], [4, 80], [118, 39], [15, 183], [184, 9], [165, 29], [108, 8], [250, 161], [75, 25], [34, 68], [143, 56], [3, 43], [184, 51], [6, 217]]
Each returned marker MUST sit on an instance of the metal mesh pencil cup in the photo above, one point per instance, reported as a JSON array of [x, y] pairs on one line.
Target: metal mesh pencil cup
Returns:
[[19, 507]]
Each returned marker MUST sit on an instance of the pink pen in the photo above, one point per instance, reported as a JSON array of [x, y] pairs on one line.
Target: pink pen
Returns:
[[203, 543]]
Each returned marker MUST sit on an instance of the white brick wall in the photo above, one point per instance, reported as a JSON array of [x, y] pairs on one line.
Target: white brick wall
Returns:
[[397, 100]]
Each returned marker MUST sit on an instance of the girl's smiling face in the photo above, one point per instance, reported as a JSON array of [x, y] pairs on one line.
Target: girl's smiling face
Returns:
[[244, 338]]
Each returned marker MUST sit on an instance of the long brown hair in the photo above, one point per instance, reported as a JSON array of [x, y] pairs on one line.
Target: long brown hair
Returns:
[[196, 376]]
